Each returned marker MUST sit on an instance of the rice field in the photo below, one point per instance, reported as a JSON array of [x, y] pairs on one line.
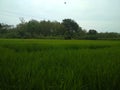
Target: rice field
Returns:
[[33, 64]]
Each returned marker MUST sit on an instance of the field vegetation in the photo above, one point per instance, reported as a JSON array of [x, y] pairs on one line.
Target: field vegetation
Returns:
[[31, 64]]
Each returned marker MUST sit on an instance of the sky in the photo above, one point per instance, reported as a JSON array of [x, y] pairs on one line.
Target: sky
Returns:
[[101, 15]]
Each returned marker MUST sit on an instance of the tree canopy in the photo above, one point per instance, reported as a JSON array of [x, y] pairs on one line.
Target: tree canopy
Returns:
[[67, 29], [71, 27]]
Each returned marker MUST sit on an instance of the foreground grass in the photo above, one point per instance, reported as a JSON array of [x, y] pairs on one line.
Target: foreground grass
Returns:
[[59, 65]]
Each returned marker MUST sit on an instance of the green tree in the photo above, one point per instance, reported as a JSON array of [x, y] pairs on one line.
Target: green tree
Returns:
[[92, 32], [92, 35], [33, 28], [0, 26], [82, 34], [46, 28], [4, 28], [22, 30], [57, 29], [71, 27]]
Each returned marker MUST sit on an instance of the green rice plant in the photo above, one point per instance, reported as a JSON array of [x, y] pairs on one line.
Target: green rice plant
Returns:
[[33, 64]]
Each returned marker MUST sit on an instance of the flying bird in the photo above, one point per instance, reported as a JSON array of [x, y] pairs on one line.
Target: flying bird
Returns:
[[64, 2]]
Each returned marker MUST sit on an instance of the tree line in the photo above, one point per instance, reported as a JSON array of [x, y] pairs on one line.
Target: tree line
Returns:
[[67, 29]]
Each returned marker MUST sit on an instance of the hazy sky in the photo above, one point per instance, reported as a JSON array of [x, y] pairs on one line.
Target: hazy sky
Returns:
[[102, 15]]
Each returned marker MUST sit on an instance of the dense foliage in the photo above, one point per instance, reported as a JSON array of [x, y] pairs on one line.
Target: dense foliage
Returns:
[[27, 64], [67, 29]]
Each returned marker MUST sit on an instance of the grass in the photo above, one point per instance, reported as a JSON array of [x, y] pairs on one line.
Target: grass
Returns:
[[59, 64]]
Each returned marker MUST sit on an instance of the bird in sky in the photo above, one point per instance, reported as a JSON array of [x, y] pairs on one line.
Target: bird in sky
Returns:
[[64, 2]]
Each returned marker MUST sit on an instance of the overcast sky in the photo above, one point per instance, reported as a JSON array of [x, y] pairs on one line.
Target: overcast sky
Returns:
[[102, 15]]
